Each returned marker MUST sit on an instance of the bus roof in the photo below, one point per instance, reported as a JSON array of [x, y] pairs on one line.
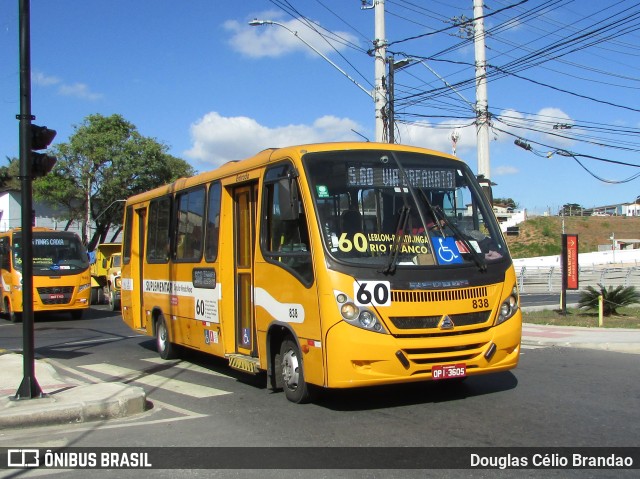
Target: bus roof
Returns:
[[40, 229], [264, 157]]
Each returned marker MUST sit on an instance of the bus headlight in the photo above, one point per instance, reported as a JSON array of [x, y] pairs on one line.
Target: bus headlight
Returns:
[[508, 307], [349, 311], [357, 315], [82, 287], [366, 319]]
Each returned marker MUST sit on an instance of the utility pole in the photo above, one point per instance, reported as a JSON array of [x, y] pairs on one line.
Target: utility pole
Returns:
[[482, 105], [380, 58]]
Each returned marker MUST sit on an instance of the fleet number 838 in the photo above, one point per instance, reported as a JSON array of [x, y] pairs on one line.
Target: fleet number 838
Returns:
[[480, 303]]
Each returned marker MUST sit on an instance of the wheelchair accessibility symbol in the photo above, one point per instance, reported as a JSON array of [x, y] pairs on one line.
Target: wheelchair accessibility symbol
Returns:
[[447, 251], [246, 337]]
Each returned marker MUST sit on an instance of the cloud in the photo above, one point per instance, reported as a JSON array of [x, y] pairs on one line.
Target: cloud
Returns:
[[276, 40], [78, 90], [546, 126], [438, 136], [41, 79], [217, 139], [505, 170]]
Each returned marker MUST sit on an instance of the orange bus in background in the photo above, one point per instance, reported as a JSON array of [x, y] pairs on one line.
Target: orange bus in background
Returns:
[[61, 276], [326, 266]]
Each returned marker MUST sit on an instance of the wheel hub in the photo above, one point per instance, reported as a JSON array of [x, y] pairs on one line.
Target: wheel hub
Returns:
[[290, 367]]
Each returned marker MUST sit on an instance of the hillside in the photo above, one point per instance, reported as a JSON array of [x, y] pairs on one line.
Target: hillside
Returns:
[[542, 235]]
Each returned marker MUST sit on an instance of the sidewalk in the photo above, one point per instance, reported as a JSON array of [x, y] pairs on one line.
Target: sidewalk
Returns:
[[66, 400], [71, 401], [606, 339]]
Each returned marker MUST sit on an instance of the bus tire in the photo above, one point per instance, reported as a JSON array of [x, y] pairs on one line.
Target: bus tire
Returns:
[[100, 296], [94, 296], [292, 374], [13, 316], [114, 304], [166, 349]]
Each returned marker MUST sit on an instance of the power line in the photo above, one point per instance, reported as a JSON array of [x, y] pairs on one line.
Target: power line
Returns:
[[467, 22]]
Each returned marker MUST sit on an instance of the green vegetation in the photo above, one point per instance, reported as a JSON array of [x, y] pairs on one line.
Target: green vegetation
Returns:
[[542, 235], [628, 317], [612, 298], [105, 161]]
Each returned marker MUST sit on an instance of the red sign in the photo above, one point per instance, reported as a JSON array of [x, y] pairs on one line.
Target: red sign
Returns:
[[571, 261]]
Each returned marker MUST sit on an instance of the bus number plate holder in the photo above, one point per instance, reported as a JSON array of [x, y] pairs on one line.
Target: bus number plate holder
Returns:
[[449, 371]]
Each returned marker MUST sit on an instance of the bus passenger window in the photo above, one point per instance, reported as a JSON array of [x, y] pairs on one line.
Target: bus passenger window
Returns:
[[190, 223]]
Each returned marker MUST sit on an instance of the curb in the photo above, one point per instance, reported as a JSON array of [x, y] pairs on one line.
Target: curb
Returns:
[[85, 403], [630, 348]]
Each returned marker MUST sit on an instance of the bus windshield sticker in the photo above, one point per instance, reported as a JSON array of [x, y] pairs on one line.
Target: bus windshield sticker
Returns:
[[323, 191], [446, 250]]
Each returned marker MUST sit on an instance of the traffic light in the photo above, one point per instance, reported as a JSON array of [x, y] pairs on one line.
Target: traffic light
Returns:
[[41, 138]]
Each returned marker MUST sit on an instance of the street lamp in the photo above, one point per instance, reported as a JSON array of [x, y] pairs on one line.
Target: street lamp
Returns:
[[257, 23], [393, 67]]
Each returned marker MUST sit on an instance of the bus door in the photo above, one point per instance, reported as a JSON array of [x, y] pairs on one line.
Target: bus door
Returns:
[[245, 198], [137, 269]]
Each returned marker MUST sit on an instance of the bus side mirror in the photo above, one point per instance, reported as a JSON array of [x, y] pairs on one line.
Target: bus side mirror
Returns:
[[288, 199], [486, 185]]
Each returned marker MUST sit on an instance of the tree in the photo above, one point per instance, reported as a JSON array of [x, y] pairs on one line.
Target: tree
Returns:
[[105, 161], [571, 209], [9, 175], [611, 298], [505, 202]]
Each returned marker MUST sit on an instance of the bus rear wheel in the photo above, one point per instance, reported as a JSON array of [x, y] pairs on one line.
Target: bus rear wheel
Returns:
[[166, 349], [114, 303], [292, 374]]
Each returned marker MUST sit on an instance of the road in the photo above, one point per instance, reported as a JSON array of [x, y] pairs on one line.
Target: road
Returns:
[[547, 300], [556, 397]]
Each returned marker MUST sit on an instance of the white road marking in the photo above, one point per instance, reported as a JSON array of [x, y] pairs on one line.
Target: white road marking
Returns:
[[187, 366], [155, 380]]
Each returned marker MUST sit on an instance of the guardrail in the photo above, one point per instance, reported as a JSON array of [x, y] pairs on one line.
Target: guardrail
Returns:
[[545, 279]]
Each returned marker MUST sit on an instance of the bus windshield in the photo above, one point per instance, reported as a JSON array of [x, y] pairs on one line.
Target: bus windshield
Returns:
[[55, 252], [402, 210]]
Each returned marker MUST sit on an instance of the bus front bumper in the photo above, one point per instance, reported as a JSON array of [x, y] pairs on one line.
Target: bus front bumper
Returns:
[[356, 357]]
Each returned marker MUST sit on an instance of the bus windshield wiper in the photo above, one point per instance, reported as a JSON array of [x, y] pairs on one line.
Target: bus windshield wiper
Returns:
[[404, 215], [395, 248], [432, 210], [477, 257]]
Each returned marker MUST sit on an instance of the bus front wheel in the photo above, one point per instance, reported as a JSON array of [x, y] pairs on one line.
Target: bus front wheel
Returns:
[[291, 373], [166, 348], [13, 316]]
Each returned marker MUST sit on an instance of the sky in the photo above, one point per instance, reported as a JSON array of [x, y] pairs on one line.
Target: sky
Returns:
[[564, 80]]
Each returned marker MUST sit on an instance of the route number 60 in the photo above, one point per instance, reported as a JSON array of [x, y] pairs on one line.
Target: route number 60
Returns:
[[374, 293]]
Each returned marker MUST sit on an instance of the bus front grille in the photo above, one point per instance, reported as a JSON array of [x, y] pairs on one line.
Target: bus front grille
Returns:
[[438, 296], [55, 294], [432, 322], [431, 356]]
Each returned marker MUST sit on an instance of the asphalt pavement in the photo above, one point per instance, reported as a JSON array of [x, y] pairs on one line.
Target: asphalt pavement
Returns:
[[66, 400]]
